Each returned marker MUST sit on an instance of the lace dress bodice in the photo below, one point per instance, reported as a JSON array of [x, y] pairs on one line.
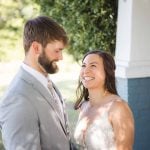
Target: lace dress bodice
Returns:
[[97, 135]]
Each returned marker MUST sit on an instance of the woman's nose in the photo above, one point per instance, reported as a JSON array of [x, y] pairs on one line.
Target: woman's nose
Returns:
[[86, 69]]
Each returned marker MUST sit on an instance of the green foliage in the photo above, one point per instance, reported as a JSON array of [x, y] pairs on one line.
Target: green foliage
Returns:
[[90, 24], [13, 13]]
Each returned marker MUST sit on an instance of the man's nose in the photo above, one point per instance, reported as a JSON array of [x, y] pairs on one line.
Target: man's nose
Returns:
[[60, 56]]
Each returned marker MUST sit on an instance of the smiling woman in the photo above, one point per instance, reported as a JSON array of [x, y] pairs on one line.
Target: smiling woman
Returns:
[[105, 120], [92, 72]]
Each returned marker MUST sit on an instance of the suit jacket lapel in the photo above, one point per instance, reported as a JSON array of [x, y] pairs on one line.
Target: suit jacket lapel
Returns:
[[43, 91]]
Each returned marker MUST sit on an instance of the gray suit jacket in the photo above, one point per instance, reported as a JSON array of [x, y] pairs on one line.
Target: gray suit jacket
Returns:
[[28, 117]]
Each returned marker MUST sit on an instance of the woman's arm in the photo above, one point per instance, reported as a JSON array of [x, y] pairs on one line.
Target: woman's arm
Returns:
[[123, 124]]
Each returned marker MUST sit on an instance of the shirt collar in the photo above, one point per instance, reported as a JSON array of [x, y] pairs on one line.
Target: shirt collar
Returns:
[[39, 76]]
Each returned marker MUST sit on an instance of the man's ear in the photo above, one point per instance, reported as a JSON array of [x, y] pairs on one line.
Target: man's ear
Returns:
[[36, 47]]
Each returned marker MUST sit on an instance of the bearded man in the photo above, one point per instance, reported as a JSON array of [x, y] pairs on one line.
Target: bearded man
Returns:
[[32, 115]]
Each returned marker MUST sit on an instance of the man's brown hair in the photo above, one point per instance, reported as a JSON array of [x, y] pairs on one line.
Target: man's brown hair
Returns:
[[43, 30]]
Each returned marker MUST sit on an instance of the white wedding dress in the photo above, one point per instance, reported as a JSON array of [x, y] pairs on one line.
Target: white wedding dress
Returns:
[[99, 134]]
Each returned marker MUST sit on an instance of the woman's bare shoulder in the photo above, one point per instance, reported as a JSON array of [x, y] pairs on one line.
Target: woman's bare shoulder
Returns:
[[120, 109]]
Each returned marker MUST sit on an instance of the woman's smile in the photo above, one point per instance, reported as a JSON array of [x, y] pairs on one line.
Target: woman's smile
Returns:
[[87, 78]]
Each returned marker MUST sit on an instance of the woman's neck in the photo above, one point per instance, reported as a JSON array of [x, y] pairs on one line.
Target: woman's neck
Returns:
[[97, 97]]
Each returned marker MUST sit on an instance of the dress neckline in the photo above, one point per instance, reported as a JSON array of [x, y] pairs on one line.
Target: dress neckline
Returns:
[[108, 99]]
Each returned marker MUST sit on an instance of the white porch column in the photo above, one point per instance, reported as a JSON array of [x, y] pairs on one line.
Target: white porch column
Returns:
[[133, 64], [133, 39]]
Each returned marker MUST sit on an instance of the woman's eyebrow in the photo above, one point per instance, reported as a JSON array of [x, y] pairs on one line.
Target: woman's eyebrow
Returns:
[[90, 63]]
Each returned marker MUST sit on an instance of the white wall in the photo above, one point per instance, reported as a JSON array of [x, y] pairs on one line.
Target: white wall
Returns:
[[133, 39]]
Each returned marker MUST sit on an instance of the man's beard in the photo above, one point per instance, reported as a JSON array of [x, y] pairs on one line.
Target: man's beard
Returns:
[[48, 65]]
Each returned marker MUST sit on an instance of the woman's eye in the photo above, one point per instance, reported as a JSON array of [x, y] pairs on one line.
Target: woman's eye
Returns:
[[93, 65], [83, 66]]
